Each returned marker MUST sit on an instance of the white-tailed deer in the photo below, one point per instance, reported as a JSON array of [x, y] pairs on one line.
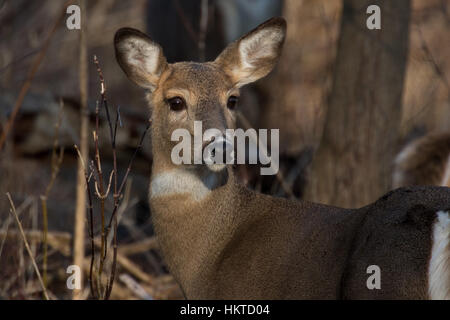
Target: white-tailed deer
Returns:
[[425, 161], [222, 240]]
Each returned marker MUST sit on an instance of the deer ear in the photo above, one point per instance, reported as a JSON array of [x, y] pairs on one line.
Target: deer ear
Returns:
[[139, 57], [254, 55]]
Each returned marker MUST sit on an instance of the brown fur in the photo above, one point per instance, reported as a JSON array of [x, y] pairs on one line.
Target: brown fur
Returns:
[[238, 244], [424, 161]]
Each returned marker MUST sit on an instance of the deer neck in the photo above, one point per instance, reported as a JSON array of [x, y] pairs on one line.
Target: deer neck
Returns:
[[193, 217], [211, 237]]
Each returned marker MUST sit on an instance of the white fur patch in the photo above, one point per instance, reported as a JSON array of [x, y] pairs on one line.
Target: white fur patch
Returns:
[[446, 179], [182, 181], [399, 177], [439, 268], [259, 46], [406, 153], [141, 54]]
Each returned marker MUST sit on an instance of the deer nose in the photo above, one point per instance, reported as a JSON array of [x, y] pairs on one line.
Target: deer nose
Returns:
[[207, 141], [218, 146]]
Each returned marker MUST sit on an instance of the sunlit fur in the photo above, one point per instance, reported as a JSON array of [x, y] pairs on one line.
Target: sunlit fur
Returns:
[[439, 270]]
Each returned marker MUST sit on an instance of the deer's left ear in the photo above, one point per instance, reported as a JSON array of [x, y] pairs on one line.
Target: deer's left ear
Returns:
[[254, 55]]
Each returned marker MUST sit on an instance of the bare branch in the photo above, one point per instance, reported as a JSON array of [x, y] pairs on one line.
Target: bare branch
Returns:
[[27, 246]]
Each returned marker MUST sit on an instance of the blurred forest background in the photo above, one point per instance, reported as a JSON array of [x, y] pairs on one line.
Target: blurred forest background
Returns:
[[352, 97]]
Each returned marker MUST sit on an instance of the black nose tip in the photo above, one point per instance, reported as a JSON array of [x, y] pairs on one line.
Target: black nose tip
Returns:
[[206, 142], [218, 147]]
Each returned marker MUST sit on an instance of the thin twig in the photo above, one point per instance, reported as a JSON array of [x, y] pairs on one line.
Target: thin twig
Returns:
[[140, 246], [56, 161], [113, 180], [129, 167], [105, 195], [438, 71], [104, 247], [135, 287], [436, 67], [112, 132], [80, 209], [114, 214], [91, 222], [99, 182], [27, 246], [5, 228], [54, 237]]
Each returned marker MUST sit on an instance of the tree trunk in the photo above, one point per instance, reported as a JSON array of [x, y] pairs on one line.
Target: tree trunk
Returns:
[[297, 88], [353, 164]]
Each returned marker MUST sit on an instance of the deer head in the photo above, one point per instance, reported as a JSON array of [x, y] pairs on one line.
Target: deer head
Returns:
[[186, 92]]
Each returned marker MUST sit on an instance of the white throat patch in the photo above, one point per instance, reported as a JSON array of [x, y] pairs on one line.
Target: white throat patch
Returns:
[[183, 181]]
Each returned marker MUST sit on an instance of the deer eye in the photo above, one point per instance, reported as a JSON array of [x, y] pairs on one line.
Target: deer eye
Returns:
[[176, 104], [232, 102]]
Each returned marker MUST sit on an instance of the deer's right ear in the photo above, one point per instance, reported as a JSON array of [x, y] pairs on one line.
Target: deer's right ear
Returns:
[[139, 57]]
